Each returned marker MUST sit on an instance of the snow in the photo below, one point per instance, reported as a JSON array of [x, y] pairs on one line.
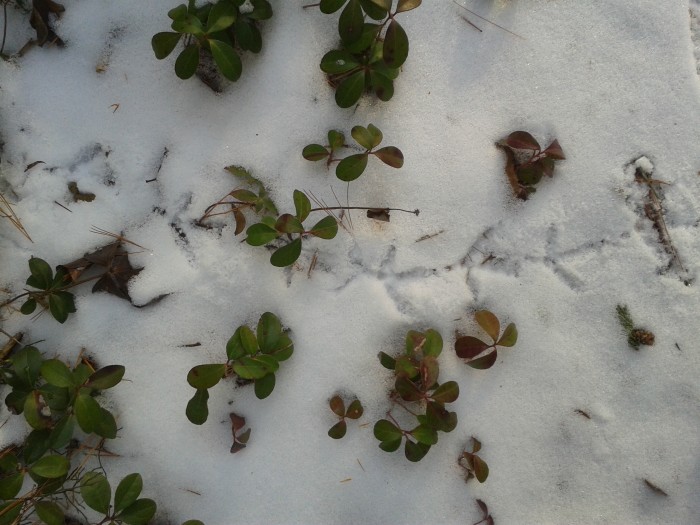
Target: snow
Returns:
[[615, 82]]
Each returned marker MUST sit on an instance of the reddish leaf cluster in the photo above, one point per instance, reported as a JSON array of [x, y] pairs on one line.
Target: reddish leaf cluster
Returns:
[[240, 439], [468, 347], [354, 411]]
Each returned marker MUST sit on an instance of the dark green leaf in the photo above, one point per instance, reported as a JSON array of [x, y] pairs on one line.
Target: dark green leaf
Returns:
[[390, 155], [259, 234], [387, 361], [139, 512], [34, 411], [42, 275], [62, 433], [287, 254], [395, 45], [338, 430], [481, 469], [57, 373], [96, 492], [206, 376], [61, 304], [284, 349], [106, 426], [287, 223], [49, 512], [9, 512], [446, 392], [407, 389], [468, 346], [439, 418], [250, 368], [302, 205], [164, 43], [88, 412], [350, 168], [338, 61], [36, 444], [390, 446], [509, 337], [234, 346], [27, 365], [189, 24], [221, 15], [193, 522], [269, 330], [178, 13], [106, 377], [51, 467], [355, 410], [415, 451], [264, 386], [337, 406], [247, 36], [326, 228], [376, 9], [227, 60], [187, 62], [127, 491], [262, 10], [351, 22], [28, 307], [350, 90], [425, 434], [197, 410], [244, 196], [485, 362], [382, 86], [331, 6], [314, 152], [10, 485], [386, 431]]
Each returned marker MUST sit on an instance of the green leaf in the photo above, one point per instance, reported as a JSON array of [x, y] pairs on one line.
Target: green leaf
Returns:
[[49, 512], [390, 155], [363, 137], [439, 418], [336, 139], [338, 61], [51, 467], [87, 412], [350, 168], [57, 373], [509, 337], [96, 492], [221, 15], [287, 223], [187, 62], [351, 22], [36, 444], [10, 485], [385, 430], [407, 5], [415, 451], [337, 406], [433, 343], [338, 430], [376, 9], [127, 491], [244, 196], [26, 363], [42, 275], [382, 86], [489, 322], [259, 234], [485, 362], [262, 10], [9, 512], [284, 348], [425, 434], [429, 371], [287, 254], [395, 45], [206, 376], [467, 347], [139, 512], [481, 469], [178, 13], [164, 43], [376, 134], [446, 392], [407, 389], [302, 205], [234, 346], [197, 410], [28, 307], [106, 377], [326, 228], [350, 90], [331, 6], [61, 304], [106, 426], [33, 411], [355, 410], [314, 152], [62, 433], [387, 361], [250, 368], [227, 60], [404, 366], [390, 446], [247, 35], [264, 386], [189, 24], [269, 331]]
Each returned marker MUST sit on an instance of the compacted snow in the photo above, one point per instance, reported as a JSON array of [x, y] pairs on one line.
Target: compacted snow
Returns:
[[615, 82]]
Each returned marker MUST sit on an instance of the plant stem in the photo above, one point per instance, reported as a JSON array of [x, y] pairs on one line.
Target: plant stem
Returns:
[[415, 212]]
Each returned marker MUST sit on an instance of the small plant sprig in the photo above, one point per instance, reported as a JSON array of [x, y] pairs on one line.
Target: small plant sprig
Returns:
[[52, 295], [635, 336], [474, 466], [468, 347], [417, 372], [527, 162], [217, 29], [354, 411], [371, 54], [351, 167], [240, 439], [251, 357]]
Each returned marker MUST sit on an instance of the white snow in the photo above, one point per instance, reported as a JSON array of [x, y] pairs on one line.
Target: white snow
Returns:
[[615, 82]]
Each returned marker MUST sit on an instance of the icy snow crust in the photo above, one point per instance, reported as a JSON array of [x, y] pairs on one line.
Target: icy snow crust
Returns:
[[613, 81]]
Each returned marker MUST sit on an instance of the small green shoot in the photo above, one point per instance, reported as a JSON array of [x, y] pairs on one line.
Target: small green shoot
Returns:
[[635, 336], [468, 347]]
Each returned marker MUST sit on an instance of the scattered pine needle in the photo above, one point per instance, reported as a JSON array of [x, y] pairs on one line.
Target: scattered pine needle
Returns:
[[345, 480], [120, 238], [358, 462], [486, 20], [7, 212]]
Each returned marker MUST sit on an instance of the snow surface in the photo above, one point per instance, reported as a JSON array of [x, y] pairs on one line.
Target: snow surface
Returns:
[[612, 81]]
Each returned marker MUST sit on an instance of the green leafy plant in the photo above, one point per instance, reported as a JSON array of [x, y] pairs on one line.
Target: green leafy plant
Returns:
[[635, 336], [252, 356], [527, 162], [52, 295], [468, 347], [353, 411], [416, 372], [351, 167], [216, 29], [371, 53], [474, 466]]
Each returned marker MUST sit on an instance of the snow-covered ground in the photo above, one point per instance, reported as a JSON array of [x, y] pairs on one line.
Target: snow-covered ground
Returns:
[[613, 81]]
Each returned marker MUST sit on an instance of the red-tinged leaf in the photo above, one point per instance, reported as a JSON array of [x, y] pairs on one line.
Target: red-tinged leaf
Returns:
[[485, 362], [468, 347], [237, 422], [395, 50], [407, 389], [390, 155], [386, 431], [509, 337], [489, 322], [326, 228], [338, 430], [240, 221], [554, 151], [522, 140], [476, 445], [429, 371], [481, 469], [355, 410], [314, 152], [337, 406], [288, 223], [237, 447], [415, 451], [244, 195], [407, 5], [446, 392]]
